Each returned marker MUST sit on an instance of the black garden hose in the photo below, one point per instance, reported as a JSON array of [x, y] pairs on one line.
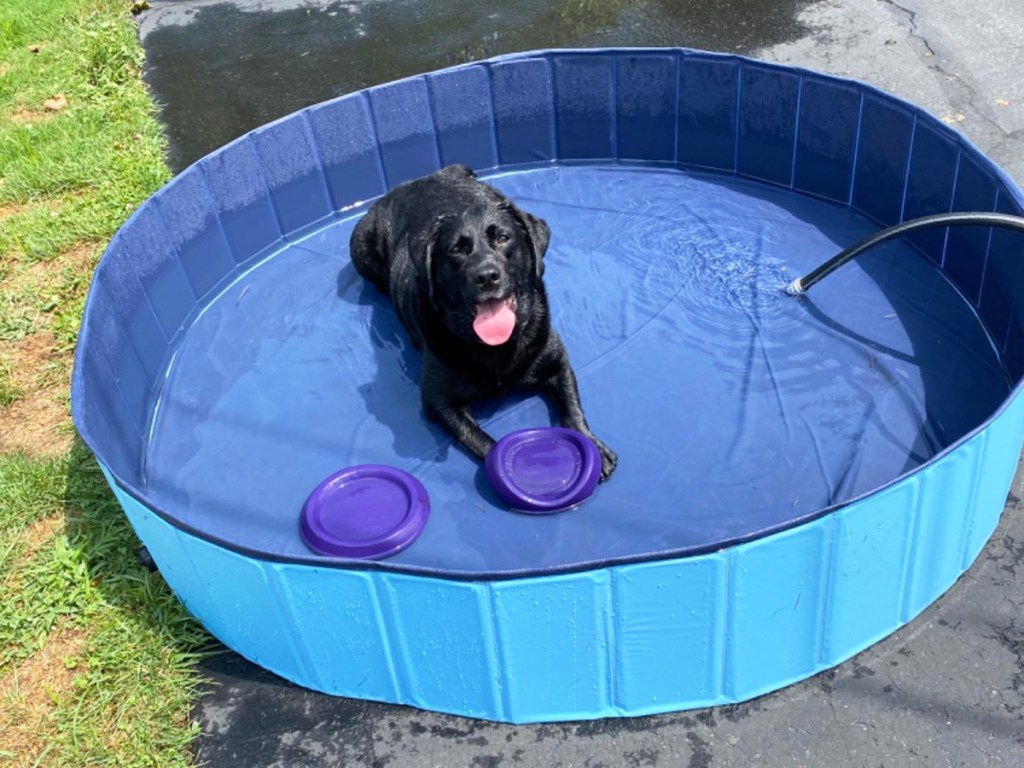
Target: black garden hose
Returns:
[[801, 285]]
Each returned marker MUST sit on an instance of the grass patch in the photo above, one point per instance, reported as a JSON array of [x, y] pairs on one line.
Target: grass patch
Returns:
[[68, 566], [9, 391], [96, 655], [74, 173]]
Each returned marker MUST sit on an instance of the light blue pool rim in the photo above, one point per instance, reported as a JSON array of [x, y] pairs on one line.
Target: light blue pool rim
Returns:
[[628, 640], [605, 639]]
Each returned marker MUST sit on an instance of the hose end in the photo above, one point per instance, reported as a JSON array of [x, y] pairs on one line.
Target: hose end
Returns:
[[796, 288]]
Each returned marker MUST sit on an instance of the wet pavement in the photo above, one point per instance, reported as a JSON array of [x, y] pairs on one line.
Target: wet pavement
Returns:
[[221, 69], [948, 689]]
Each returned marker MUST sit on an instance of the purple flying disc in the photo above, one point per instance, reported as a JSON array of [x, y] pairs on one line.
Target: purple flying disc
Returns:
[[543, 470], [368, 512]]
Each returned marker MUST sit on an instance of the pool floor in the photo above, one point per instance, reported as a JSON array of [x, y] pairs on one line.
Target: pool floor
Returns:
[[735, 409]]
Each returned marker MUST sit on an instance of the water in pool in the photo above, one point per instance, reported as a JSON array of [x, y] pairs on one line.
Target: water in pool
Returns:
[[735, 409]]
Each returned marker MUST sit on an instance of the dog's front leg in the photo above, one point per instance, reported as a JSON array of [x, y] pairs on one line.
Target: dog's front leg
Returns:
[[562, 390], [444, 405]]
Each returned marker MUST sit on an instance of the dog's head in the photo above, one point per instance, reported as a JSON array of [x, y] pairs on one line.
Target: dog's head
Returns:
[[484, 266]]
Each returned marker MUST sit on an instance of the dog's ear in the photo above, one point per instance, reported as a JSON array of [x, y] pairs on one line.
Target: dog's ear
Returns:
[[429, 244], [539, 234], [458, 171]]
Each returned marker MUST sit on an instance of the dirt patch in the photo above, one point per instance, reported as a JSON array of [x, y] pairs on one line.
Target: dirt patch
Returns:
[[38, 422], [29, 116], [38, 533], [29, 692], [81, 258], [23, 275], [50, 108], [20, 277], [12, 209]]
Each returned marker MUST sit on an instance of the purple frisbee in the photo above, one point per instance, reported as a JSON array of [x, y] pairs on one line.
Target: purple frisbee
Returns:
[[544, 470], [367, 511]]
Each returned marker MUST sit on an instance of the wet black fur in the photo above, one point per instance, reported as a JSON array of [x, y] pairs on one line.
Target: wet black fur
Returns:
[[440, 245]]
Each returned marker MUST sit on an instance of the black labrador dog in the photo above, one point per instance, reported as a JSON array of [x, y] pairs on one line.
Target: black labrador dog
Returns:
[[463, 268]]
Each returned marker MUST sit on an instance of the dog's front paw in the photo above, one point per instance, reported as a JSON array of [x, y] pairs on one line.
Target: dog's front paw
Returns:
[[609, 460]]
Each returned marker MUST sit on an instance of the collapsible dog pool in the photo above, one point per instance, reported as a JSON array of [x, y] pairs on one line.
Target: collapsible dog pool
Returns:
[[798, 477]]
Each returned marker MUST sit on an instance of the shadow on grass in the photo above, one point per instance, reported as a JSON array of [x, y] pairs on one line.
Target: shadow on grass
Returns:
[[98, 528]]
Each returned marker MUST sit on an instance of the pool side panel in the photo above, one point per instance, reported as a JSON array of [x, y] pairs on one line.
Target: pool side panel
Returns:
[[523, 111], [292, 172], [826, 139], [186, 208], [405, 130], [883, 153], [929, 189], [585, 107], [553, 646], [675, 612], [347, 147], [708, 109], [967, 247], [628, 640], [444, 642], [769, 103], [646, 107], [240, 195], [464, 117]]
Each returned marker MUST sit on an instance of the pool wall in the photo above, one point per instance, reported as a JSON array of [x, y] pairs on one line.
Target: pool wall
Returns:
[[621, 638]]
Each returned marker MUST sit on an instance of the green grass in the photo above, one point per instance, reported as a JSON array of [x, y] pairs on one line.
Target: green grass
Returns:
[[9, 391], [79, 171], [133, 680], [96, 655]]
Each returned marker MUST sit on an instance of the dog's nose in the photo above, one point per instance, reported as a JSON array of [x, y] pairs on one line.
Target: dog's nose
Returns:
[[487, 276]]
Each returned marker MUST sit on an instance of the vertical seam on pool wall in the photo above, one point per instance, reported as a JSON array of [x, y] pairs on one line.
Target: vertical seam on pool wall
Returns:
[[1005, 333], [906, 171], [724, 648], [385, 621], [432, 108], [739, 119], [984, 264], [677, 72], [796, 130], [981, 452], [827, 578], [952, 205], [307, 128], [610, 642], [504, 697], [910, 553], [613, 119], [489, 69], [378, 150], [554, 130], [856, 151]]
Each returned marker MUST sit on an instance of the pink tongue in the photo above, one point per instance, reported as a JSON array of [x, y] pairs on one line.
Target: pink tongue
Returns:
[[494, 321]]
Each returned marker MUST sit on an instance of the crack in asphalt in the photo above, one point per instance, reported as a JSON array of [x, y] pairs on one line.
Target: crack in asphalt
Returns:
[[952, 83]]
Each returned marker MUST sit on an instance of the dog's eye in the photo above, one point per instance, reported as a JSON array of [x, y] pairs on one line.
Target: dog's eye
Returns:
[[463, 246], [501, 239]]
